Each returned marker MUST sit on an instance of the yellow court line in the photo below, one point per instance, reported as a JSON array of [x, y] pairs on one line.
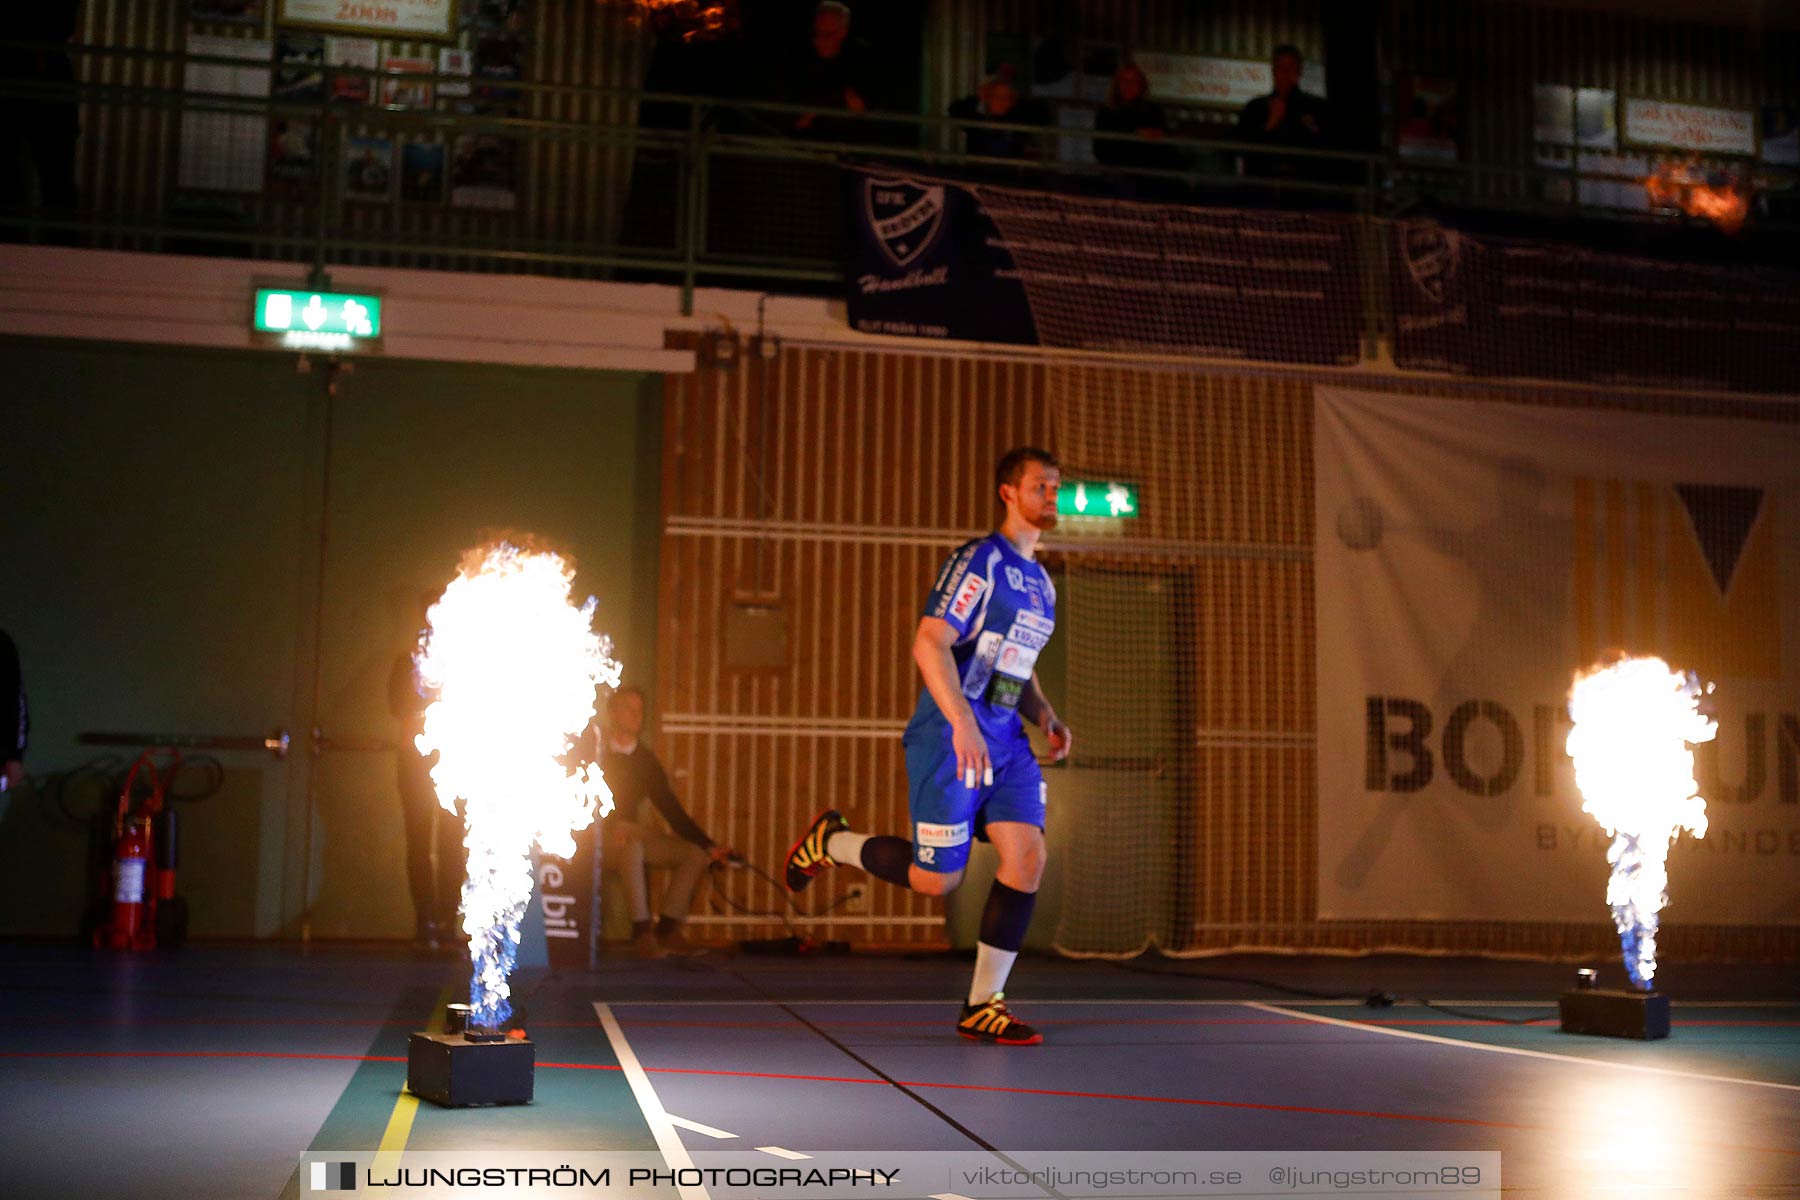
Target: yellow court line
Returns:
[[406, 1105]]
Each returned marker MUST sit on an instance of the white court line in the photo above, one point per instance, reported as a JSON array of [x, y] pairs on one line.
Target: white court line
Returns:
[[783, 1152], [1387, 1031], [946, 1196], [1548, 1002], [697, 1127], [674, 1154], [934, 1002]]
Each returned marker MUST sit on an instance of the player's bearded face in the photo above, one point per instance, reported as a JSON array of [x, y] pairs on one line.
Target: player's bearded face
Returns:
[[1037, 495]]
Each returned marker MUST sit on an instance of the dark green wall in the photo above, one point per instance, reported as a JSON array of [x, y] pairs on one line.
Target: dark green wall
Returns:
[[159, 565]]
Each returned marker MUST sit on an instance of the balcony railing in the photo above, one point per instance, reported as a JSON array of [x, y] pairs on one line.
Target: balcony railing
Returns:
[[454, 173]]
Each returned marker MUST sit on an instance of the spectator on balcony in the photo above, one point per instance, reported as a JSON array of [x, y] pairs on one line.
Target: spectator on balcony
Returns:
[[997, 101], [1129, 109], [1288, 117], [37, 136], [830, 77]]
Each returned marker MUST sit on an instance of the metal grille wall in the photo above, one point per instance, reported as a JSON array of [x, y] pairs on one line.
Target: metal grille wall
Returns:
[[808, 500]]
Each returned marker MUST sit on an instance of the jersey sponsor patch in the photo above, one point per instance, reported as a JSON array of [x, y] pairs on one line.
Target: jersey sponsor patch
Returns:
[[967, 593], [953, 566], [1019, 651], [927, 834], [1006, 692], [1036, 622], [980, 667], [1016, 659]]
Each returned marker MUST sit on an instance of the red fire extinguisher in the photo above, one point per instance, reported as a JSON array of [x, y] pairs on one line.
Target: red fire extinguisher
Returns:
[[131, 861], [145, 910]]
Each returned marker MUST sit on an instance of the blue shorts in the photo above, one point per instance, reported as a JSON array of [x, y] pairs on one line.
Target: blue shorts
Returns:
[[945, 814]]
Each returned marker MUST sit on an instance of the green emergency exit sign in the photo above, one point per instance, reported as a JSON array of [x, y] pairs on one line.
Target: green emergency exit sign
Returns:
[[1097, 498], [323, 320]]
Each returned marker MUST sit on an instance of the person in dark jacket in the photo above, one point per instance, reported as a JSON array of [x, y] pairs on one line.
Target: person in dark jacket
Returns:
[[831, 77], [632, 843], [15, 715], [998, 100], [1129, 109], [1287, 117]]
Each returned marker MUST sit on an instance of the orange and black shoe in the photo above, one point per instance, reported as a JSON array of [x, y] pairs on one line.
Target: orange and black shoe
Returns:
[[808, 856], [991, 1022]]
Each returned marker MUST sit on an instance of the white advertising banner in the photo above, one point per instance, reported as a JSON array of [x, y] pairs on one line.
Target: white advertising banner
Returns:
[[1233, 82], [1470, 558], [395, 18], [1690, 127]]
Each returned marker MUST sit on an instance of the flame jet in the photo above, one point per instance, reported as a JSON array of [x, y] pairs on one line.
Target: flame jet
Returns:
[[514, 666], [1636, 721]]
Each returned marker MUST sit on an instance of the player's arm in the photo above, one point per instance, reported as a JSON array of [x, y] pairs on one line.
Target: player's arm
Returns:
[[931, 650], [1034, 706], [662, 795]]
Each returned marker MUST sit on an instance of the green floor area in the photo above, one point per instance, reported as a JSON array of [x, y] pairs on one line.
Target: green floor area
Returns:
[[582, 1100]]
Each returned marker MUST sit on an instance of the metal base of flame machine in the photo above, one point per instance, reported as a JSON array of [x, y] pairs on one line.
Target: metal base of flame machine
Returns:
[[458, 1070], [465, 1066], [1610, 1012]]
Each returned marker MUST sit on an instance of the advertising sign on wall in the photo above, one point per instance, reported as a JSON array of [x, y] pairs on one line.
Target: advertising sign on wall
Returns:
[[1470, 558], [1690, 127], [1228, 82], [413, 19]]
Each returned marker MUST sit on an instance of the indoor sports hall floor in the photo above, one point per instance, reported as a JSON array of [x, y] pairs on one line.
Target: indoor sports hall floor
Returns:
[[209, 1071]]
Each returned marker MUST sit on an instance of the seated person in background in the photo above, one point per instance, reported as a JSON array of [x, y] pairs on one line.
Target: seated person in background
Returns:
[[998, 100], [628, 843], [1129, 109], [1287, 116]]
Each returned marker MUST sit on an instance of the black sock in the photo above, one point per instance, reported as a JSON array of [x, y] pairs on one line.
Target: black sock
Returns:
[[1006, 916], [640, 928], [667, 925], [888, 858]]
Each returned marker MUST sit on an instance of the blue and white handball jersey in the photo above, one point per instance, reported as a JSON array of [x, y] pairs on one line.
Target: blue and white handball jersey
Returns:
[[1003, 608]]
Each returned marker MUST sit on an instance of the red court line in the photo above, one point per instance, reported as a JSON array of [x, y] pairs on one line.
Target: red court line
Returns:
[[939, 1022], [400, 1058], [1245, 1104], [1071, 1022], [725, 1074], [328, 1022], [1060, 1022], [1542, 1020], [1309, 1110], [1017, 1091]]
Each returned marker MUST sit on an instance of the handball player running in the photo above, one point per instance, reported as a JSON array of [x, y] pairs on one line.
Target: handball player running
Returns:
[[969, 765]]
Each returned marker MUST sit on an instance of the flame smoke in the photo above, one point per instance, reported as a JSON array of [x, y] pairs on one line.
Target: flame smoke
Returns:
[[514, 665], [697, 20], [1687, 186], [1635, 720]]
